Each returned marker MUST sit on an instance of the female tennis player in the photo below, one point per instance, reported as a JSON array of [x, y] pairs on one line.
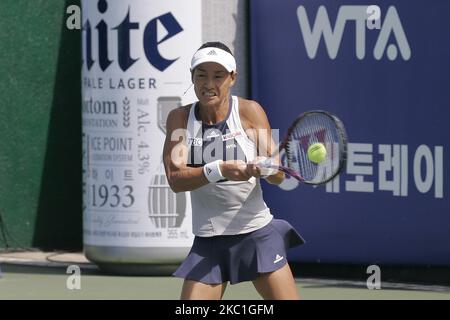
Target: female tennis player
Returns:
[[212, 148]]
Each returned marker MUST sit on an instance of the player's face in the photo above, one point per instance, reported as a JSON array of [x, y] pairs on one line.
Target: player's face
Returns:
[[212, 83]]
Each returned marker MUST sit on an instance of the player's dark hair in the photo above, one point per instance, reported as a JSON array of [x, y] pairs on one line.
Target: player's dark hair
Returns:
[[216, 44]]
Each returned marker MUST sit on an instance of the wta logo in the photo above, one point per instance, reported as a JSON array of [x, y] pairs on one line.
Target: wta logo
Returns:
[[365, 17]]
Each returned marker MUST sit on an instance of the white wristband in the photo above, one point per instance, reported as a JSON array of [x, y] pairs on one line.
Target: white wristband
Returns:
[[212, 171]]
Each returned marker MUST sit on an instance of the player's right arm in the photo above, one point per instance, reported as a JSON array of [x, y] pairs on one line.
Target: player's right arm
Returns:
[[175, 156]]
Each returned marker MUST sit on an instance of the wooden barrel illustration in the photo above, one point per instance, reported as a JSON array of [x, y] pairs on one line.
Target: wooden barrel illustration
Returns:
[[166, 208]]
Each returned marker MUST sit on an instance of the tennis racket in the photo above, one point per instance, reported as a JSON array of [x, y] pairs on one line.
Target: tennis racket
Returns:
[[310, 128]]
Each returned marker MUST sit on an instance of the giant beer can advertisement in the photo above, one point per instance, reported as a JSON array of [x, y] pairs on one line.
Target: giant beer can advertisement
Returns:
[[136, 56]]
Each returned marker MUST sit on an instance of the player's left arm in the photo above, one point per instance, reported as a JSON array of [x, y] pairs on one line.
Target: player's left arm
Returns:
[[258, 129]]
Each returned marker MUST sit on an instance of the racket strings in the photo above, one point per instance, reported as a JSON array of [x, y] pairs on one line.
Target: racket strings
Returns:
[[313, 128]]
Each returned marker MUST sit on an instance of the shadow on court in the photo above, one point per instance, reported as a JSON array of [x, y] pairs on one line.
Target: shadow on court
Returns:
[[400, 276], [19, 281]]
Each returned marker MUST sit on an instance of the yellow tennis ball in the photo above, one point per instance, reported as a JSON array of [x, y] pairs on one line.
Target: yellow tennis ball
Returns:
[[317, 152]]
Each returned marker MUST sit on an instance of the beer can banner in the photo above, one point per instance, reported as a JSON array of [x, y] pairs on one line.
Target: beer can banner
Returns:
[[136, 58]]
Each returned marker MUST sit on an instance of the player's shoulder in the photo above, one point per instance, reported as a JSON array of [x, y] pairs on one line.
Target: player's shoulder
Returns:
[[252, 113], [179, 116], [180, 112], [249, 108]]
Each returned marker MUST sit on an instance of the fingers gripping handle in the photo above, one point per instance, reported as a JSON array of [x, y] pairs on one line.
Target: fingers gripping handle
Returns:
[[266, 166]]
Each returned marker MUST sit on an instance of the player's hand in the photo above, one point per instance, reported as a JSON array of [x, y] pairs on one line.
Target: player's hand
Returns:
[[236, 170], [256, 169]]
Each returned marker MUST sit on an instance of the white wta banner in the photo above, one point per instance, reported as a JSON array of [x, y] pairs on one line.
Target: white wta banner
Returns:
[[136, 58]]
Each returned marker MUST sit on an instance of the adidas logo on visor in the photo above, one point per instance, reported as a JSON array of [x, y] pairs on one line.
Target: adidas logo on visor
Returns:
[[216, 55]]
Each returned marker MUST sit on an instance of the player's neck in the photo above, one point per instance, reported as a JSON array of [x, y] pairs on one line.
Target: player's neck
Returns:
[[211, 114]]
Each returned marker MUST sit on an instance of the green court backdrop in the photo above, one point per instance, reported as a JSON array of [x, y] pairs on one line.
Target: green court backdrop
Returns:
[[40, 126]]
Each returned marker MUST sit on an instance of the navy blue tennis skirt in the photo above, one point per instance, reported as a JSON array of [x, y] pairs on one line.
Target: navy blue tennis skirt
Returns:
[[241, 257]]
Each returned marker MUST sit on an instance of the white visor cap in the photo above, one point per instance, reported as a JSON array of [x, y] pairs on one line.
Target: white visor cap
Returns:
[[212, 54]]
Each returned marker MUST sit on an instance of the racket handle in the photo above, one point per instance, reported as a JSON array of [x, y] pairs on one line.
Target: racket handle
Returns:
[[266, 166]]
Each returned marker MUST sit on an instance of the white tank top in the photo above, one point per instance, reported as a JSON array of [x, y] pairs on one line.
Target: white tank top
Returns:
[[225, 207]]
